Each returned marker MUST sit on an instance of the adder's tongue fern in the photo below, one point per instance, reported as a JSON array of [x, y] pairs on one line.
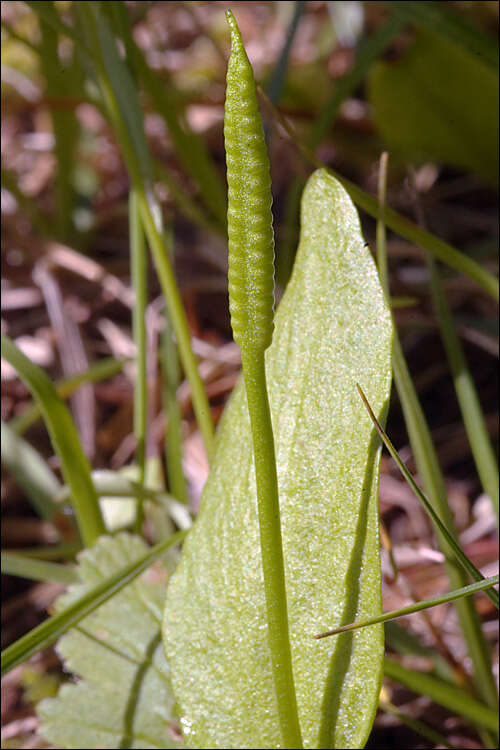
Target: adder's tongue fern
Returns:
[[249, 218], [251, 285]]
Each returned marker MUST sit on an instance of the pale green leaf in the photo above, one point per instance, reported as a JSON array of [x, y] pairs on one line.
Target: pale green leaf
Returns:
[[124, 697], [332, 330]]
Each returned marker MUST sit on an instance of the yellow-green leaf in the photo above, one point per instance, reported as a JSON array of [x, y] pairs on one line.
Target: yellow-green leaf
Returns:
[[333, 330]]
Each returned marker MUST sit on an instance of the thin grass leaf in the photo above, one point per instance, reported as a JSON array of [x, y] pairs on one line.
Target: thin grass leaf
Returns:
[[276, 82], [418, 726], [14, 34], [49, 631], [62, 80], [449, 696], [114, 80], [473, 588], [37, 570], [169, 362], [74, 463], [169, 104], [468, 399], [402, 641], [138, 266], [112, 484], [48, 13], [448, 24], [65, 388], [26, 203], [422, 238], [185, 203], [65, 550], [432, 479], [399, 224], [450, 541], [31, 472], [369, 49]]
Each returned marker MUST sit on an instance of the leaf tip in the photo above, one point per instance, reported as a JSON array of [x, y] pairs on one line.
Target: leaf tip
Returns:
[[235, 32]]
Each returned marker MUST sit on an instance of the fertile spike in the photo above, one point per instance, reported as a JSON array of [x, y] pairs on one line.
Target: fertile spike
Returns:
[[249, 217]]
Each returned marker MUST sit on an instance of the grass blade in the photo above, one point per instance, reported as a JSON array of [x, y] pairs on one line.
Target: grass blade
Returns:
[[49, 631], [432, 478], [422, 238], [173, 435], [185, 203], [470, 406], [75, 465], [438, 19], [424, 730], [417, 607], [450, 541], [109, 483], [65, 387], [441, 692], [61, 80], [31, 472], [37, 570], [402, 641], [167, 101], [138, 265], [26, 203], [397, 222], [12, 32], [50, 16], [368, 51], [277, 80], [65, 550], [124, 111]]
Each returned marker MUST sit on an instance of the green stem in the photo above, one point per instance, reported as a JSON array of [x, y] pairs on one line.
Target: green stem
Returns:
[[271, 546], [179, 323], [139, 280], [173, 433]]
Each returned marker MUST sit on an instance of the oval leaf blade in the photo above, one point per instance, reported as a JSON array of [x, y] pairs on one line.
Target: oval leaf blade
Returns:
[[333, 330]]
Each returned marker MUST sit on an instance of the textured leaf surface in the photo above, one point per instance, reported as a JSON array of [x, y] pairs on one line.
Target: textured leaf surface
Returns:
[[438, 102], [124, 699], [332, 330]]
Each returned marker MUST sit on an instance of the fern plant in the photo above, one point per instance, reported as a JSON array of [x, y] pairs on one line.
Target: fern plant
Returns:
[[223, 644]]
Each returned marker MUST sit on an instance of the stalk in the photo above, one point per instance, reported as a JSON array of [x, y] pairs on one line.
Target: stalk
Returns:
[[271, 546]]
